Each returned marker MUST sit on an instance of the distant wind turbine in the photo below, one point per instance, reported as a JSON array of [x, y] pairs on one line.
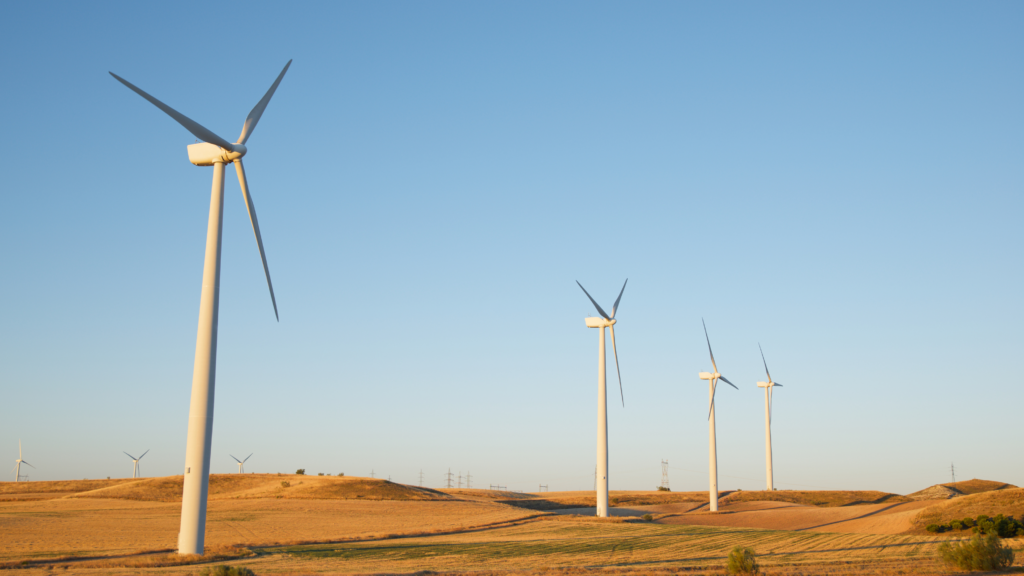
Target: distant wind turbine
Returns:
[[605, 321], [712, 378], [18, 463], [135, 470], [212, 151], [768, 417], [241, 462]]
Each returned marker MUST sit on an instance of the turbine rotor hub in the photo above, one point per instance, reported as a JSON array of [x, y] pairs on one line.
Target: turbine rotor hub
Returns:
[[206, 154]]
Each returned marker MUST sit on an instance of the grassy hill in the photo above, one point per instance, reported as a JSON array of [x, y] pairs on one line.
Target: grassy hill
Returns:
[[1007, 501], [819, 498], [224, 486]]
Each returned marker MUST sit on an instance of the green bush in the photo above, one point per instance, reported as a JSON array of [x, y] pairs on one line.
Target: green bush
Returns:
[[285, 484], [341, 473], [223, 570], [969, 522], [742, 561], [664, 489], [648, 517], [301, 471], [956, 525], [981, 552], [319, 473]]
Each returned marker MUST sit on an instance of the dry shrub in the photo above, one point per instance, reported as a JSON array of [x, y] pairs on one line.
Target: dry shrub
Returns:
[[982, 552], [224, 570], [742, 561]]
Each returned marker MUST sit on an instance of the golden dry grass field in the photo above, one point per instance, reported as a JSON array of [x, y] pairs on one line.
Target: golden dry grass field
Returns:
[[287, 524]]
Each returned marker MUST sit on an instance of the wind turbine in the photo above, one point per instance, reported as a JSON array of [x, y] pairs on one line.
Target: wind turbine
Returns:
[[712, 378], [605, 321], [18, 463], [241, 462], [135, 470], [213, 151], [768, 416]]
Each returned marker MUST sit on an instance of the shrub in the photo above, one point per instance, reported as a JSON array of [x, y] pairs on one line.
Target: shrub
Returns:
[[301, 471], [663, 489], [285, 484], [341, 473], [648, 517], [956, 525], [969, 522], [223, 570], [981, 552], [319, 473], [742, 561]]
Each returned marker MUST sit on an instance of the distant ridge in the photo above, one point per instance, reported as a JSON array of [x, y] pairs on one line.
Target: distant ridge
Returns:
[[957, 489]]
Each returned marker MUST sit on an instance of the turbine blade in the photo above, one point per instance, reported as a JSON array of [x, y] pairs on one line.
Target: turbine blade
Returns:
[[257, 111], [27, 464], [616, 305], [143, 454], [616, 353], [130, 456], [715, 366], [197, 129], [765, 363], [776, 384], [723, 379], [256, 229], [603, 315], [235, 459], [250, 455], [711, 406]]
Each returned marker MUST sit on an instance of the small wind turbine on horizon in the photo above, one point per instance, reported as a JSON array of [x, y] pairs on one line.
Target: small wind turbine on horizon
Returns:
[[605, 321], [135, 469], [241, 462], [712, 378], [18, 463], [768, 417], [212, 151]]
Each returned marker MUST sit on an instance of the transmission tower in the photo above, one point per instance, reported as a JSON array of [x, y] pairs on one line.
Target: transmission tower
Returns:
[[421, 476], [460, 479], [664, 475], [952, 471], [542, 488], [372, 474], [469, 479], [448, 478]]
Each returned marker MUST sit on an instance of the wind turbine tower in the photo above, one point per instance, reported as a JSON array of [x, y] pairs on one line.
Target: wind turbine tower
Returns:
[[18, 463], [135, 469], [605, 321], [768, 417], [241, 467], [712, 378], [217, 152]]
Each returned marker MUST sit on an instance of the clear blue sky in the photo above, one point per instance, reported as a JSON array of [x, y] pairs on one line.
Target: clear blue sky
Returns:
[[841, 182]]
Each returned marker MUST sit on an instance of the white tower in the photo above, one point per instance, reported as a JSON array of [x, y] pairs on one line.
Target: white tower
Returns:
[[712, 378], [605, 321]]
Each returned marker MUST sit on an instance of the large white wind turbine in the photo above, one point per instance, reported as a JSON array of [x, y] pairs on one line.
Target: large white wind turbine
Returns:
[[135, 469], [605, 321], [241, 469], [18, 463], [768, 417], [213, 151], [712, 378]]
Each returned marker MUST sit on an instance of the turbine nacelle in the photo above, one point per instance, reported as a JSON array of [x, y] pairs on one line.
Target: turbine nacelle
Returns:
[[598, 322], [709, 375], [206, 154], [764, 384]]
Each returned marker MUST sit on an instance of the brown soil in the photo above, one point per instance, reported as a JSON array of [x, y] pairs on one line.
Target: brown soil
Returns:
[[887, 518]]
